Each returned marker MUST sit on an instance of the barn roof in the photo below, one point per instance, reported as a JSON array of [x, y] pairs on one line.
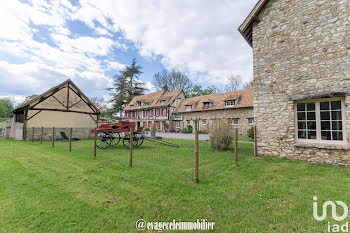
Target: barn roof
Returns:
[[246, 28], [50, 93], [243, 98]]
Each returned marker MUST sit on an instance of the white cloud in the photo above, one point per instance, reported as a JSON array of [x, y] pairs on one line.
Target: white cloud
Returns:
[[94, 46], [198, 36], [150, 87], [115, 65], [30, 67]]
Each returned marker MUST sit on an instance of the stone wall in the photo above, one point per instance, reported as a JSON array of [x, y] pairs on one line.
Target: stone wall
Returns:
[[300, 47], [81, 133], [242, 113]]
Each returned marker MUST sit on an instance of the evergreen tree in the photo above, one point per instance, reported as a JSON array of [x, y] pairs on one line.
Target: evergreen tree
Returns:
[[126, 85]]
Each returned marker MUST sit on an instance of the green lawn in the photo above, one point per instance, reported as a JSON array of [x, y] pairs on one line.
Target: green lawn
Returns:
[[51, 190], [245, 139]]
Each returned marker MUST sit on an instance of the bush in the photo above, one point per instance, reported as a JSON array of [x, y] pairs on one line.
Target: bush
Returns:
[[203, 132], [189, 129], [154, 127], [220, 136], [147, 129], [250, 133]]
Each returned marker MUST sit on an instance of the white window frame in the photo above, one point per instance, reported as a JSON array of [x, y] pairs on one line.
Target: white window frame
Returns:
[[162, 102], [188, 107], [251, 123], [178, 124], [233, 121], [318, 139], [204, 121], [229, 103]]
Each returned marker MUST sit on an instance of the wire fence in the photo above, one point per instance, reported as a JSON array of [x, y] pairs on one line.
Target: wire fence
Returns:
[[175, 156]]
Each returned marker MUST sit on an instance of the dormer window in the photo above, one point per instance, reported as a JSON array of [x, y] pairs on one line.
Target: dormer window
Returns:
[[206, 105], [229, 103], [162, 102], [188, 107], [138, 103]]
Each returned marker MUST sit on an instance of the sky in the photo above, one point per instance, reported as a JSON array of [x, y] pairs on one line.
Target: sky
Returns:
[[43, 43]]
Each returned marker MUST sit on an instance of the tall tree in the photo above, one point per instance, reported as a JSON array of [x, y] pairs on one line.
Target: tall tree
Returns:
[[6, 107], [198, 90], [234, 82], [174, 80], [126, 85]]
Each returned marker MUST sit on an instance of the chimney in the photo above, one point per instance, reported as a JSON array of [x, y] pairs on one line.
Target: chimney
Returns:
[[165, 89]]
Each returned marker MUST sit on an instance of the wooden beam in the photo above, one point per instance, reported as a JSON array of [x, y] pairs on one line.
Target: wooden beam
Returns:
[[58, 101], [43, 98], [68, 96], [80, 95], [33, 115], [63, 110], [75, 104], [25, 125]]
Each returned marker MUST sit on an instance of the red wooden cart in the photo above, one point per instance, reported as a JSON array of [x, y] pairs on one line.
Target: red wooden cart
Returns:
[[111, 134]]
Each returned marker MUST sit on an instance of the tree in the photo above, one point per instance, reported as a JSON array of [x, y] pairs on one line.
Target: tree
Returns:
[[6, 108], [126, 85], [234, 83], [198, 90], [248, 84], [174, 80]]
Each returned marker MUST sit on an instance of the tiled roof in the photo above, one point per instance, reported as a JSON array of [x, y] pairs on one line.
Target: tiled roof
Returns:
[[246, 27], [243, 98], [153, 100]]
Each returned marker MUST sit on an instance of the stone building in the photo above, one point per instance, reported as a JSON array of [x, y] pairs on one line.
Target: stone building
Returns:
[[156, 107], [236, 107], [301, 55]]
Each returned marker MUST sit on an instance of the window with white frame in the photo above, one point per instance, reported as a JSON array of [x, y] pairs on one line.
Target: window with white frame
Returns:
[[178, 124], [162, 102], [204, 122], [321, 120], [250, 120], [188, 107], [235, 121], [230, 103], [206, 105]]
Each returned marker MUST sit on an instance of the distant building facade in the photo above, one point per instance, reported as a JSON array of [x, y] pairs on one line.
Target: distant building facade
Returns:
[[236, 107], [172, 111], [154, 108]]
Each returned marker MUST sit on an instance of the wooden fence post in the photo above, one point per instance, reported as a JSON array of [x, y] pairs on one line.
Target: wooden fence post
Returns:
[[255, 143], [95, 138], [236, 147], [196, 152], [70, 139], [41, 135], [131, 146], [33, 134], [53, 136]]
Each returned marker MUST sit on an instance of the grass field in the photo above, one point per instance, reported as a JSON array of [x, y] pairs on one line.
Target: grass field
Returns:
[[51, 190]]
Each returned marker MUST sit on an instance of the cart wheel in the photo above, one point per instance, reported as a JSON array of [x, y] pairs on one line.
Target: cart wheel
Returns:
[[115, 138], [126, 141], [105, 140], [140, 138]]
